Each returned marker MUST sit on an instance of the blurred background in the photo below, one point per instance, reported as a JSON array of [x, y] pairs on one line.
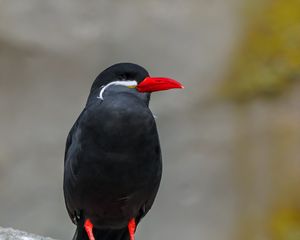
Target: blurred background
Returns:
[[230, 140]]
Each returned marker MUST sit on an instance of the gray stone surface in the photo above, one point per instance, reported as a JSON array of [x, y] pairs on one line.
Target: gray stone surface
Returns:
[[51, 51], [12, 234]]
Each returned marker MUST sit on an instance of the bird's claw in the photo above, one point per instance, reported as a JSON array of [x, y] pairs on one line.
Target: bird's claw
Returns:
[[89, 229], [131, 228]]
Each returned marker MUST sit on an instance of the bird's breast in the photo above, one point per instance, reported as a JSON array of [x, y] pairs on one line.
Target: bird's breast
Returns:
[[119, 145]]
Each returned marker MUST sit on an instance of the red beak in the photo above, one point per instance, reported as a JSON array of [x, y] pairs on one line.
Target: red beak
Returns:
[[153, 84]]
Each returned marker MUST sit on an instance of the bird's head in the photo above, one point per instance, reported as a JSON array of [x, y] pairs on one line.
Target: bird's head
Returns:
[[131, 76]]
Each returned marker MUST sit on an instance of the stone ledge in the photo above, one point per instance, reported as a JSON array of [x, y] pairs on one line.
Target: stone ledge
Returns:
[[12, 234]]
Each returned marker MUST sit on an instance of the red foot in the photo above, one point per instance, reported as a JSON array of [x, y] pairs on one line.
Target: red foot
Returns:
[[89, 229], [131, 228]]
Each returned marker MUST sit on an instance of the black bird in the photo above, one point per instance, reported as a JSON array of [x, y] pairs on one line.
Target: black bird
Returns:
[[112, 166]]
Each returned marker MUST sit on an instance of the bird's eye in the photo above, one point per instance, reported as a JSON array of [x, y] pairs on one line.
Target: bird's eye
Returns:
[[122, 77]]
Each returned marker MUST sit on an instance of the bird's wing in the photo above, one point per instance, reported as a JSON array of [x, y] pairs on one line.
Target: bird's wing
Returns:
[[70, 135], [148, 204], [71, 211]]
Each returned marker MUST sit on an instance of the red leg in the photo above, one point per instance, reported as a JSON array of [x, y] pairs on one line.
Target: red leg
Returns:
[[131, 228], [89, 229]]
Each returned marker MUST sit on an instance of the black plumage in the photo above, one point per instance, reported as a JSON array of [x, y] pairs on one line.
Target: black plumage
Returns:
[[112, 166]]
